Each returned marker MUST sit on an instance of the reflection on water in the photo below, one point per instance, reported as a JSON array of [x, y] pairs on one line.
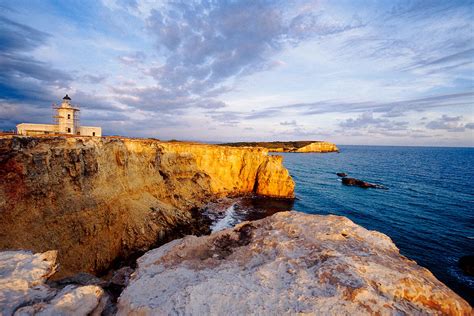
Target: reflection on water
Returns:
[[227, 212]]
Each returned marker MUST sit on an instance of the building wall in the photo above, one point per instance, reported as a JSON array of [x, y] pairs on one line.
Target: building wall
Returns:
[[66, 121], [29, 129], [90, 131]]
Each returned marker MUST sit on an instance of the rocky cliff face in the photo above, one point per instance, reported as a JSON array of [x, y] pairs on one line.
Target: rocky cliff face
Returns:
[[99, 199], [289, 263], [318, 147]]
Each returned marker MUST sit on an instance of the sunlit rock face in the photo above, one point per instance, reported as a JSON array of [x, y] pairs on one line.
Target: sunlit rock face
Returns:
[[318, 147], [304, 146], [23, 290], [288, 263], [99, 199], [273, 179]]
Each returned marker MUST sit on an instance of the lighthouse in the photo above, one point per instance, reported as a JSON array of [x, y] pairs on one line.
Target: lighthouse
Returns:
[[67, 117], [66, 122]]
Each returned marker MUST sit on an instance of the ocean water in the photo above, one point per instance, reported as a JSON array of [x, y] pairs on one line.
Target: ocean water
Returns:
[[428, 209]]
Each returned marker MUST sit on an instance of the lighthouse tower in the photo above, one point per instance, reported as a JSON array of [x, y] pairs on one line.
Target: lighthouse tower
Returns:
[[67, 117]]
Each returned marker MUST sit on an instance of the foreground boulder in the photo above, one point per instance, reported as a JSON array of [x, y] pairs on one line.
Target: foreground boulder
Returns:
[[23, 290], [285, 264]]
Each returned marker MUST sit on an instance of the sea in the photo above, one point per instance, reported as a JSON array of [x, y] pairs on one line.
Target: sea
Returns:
[[427, 208]]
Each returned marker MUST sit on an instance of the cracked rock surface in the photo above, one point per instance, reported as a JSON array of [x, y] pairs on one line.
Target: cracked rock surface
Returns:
[[286, 264], [23, 290]]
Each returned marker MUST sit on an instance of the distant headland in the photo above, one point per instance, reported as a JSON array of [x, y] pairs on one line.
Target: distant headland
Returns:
[[304, 146]]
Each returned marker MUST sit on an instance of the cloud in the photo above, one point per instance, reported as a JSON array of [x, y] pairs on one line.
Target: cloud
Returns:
[[364, 120], [209, 42], [133, 59], [94, 79], [450, 124], [22, 77], [17, 37], [289, 123], [162, 99], [367, 119], [300, 132], [228, 118], [390, 109], [447, 62], [229, 66], [14, 113]]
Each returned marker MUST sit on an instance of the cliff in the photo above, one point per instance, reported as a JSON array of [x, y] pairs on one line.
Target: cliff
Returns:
[[99, 200], [289, 263], [318, 147], [292, 146]]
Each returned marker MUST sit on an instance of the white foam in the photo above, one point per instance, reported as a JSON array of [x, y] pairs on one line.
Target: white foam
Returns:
[[227, 221]]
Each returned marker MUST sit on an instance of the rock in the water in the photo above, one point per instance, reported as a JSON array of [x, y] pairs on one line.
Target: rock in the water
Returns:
[[341, 174], [23, 290], [288, 263], [466, 263], [358, 183], [273, 179]]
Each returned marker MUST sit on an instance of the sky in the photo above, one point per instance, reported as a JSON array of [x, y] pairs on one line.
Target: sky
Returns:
[[350, 72]]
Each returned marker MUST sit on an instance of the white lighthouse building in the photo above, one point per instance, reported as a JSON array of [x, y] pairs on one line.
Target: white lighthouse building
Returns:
[[66, 119]]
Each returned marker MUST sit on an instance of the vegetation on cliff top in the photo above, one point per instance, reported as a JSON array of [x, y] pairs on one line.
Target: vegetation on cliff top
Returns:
[[288, 146]]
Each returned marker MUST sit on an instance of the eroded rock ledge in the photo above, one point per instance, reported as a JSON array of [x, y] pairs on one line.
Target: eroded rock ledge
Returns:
[[96, 200], [288, 263]]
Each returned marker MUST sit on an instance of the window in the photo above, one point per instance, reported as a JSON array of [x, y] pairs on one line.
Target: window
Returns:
[[93, 133], [69, 116], [68, 130]]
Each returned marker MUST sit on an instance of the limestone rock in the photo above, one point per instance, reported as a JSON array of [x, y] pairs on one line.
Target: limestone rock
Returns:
[[305, 146], [274, 180], [99, 199], [22, 277], [72, 300], [23, 290], [318, 147], [288, 263]]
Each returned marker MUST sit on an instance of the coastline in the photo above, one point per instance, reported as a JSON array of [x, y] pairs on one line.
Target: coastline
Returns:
[[198, 173], [290, 146], [98, 199]]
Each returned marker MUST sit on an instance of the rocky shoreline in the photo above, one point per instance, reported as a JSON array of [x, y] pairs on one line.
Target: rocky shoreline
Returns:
[[86, 208], [287, 263], [98, 200]]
